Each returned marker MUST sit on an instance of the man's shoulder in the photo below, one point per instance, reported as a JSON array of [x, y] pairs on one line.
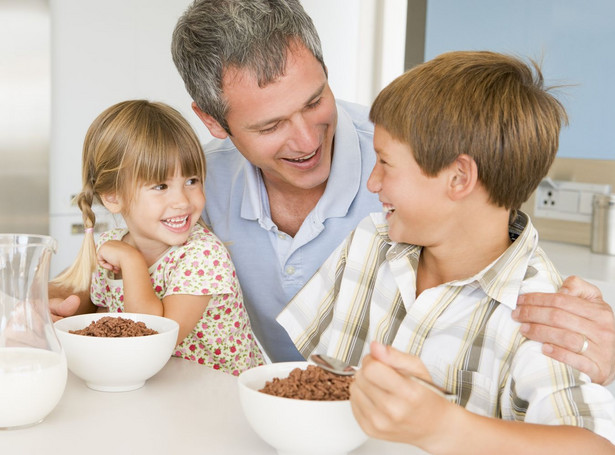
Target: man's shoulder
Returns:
[[223, 160], [359, 115], [219, 148]]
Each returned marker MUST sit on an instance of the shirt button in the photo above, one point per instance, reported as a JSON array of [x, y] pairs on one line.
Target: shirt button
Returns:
[[290, 270], [281, 235]]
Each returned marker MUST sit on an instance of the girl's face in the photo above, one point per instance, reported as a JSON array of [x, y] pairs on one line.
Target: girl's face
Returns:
[[163, 214]]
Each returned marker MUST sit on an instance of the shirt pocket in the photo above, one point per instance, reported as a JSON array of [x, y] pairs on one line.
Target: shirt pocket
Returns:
[[475, 391]]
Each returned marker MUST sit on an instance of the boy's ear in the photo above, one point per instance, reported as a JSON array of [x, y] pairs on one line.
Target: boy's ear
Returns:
[[211, 123], [111, 203], [463, 177]]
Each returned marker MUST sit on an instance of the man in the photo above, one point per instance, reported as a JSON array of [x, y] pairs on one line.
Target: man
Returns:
[[277, 193], [287, 172]]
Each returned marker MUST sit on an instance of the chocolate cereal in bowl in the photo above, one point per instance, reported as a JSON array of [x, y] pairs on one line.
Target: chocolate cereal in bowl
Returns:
[[116, 352], [300, 409]]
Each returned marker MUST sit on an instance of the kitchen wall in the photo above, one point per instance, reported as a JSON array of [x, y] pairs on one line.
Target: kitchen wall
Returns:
[[102, 53], [576, 170], [571, 39]]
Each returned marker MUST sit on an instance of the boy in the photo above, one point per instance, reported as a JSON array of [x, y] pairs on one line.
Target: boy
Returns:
[[461, 142]]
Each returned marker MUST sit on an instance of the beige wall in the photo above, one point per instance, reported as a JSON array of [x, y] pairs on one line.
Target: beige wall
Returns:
[[577, 170]]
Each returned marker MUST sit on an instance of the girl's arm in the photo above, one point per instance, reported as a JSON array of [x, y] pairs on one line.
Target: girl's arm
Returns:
[[187, 310], [389, 406], [139, 295]]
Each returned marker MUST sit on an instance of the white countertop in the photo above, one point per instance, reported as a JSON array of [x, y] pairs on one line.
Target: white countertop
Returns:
[[189, 408], [573, 259], [579, 260], [186, 408]]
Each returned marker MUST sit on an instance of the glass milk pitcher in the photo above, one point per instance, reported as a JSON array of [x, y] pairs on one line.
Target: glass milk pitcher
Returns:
[[32, 363]]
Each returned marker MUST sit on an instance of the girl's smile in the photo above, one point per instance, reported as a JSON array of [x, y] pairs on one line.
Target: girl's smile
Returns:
[[177, 224]]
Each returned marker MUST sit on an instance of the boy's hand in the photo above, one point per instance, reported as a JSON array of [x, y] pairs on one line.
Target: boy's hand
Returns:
[[564, 320], [389, 405]]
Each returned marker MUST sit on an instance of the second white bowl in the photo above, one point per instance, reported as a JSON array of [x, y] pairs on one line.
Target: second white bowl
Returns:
[[297, 427]]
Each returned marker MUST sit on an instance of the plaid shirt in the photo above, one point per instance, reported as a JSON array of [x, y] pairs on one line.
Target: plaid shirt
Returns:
[[462, 330]]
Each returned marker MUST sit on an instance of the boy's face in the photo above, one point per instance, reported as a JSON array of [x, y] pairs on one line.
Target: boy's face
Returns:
[[415, 204]]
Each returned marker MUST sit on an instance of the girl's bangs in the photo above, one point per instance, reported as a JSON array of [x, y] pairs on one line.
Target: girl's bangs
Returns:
[[163, 153]]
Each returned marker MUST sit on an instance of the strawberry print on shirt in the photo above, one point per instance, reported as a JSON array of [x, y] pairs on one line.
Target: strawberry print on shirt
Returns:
[[223, 338]]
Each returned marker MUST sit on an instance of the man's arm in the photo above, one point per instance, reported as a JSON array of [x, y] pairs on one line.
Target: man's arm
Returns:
[[564, 320], [64, 302]]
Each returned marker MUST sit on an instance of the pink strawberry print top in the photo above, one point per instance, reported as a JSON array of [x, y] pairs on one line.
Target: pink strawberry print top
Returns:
[[223, 338]]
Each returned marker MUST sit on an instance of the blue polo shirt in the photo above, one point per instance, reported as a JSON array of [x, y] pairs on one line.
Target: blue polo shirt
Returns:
[[271, 265]]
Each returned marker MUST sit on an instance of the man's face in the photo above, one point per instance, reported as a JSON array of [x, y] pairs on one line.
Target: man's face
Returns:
[[286, 128]]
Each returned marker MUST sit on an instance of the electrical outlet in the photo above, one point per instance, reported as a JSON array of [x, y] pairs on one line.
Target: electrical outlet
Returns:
[[564, 200]]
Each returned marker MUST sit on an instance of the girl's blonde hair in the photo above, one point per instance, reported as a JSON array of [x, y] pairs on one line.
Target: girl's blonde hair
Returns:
[[130, 144]]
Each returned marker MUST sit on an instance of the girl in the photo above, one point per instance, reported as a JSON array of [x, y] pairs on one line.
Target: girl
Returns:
[[143, 160]]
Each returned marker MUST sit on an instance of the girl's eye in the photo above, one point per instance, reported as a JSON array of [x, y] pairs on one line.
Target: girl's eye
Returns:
[[160, 186], [192, 181]]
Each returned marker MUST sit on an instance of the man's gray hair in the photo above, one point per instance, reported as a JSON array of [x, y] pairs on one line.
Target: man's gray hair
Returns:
[[214, 35]]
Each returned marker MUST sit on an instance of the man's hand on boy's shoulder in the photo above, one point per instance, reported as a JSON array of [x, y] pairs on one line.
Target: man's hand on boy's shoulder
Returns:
[[576, 326]]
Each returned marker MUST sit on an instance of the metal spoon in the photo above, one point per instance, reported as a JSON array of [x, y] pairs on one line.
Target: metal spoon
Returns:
[[340, 367]]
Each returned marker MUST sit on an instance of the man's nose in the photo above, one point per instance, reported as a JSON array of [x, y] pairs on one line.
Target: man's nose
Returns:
[[304, 135]]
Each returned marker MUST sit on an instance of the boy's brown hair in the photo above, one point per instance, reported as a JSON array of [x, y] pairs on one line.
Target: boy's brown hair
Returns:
[[490, 106]]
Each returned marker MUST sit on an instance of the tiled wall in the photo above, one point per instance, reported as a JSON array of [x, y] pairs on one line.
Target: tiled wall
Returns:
[[577, 170]]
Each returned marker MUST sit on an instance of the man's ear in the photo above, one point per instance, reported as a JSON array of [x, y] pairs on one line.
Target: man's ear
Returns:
[[463, 177], [211, 123], [111, 203]]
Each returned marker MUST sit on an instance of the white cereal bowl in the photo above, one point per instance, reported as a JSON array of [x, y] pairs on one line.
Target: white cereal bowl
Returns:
[[297, 427], [117, 364]]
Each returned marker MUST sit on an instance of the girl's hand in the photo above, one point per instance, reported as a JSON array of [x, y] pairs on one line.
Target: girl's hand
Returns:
[[112, 254], [389, 405]]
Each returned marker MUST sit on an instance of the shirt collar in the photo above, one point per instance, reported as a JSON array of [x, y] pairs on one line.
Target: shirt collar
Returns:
[[345, 176], [501, 280], [255, 203], [343, 184]]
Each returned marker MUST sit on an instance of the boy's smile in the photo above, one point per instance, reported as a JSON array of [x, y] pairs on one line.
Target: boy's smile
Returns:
[[388, 209]]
